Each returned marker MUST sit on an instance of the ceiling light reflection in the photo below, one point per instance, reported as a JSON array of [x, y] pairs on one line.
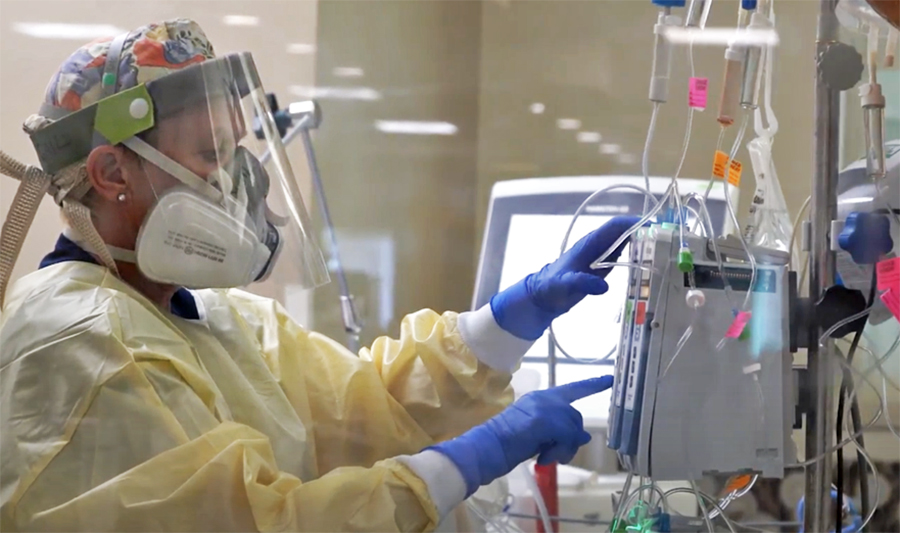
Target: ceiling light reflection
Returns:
[[537, 108], [589, 137], [63, 30], [348, 72], [627, 159], [301, 48], [610, 149], [721, 36], [240, 20], [336, 93], [568, 123], [415, 127]]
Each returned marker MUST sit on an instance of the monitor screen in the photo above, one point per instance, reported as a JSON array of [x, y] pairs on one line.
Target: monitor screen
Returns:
[[526, 223]]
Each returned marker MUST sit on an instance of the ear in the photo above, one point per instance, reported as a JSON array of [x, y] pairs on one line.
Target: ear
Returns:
[[107, 169]]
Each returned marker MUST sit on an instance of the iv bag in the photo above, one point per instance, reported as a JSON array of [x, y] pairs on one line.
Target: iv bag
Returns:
[[770, 223]]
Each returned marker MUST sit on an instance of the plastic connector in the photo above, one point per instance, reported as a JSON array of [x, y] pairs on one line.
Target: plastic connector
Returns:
[[748, 5], [866, 237], [670, 3], [695, 298]]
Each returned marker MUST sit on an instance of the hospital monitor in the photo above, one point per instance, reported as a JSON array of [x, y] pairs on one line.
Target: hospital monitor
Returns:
[[527, 220]]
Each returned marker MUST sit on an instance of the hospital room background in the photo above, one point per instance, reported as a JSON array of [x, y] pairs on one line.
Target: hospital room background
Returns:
[[426, 105]]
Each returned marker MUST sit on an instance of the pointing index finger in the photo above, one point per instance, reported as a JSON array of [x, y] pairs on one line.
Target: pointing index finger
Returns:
[[582, 389]]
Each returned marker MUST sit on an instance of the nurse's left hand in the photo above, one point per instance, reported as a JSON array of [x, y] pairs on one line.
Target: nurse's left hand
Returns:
[[527, 308]]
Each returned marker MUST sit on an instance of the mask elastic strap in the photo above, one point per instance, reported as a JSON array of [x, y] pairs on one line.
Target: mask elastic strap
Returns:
[[123, 255], [115, 253], [172, 167]]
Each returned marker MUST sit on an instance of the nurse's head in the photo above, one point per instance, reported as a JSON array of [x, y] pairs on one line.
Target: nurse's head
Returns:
[[156, 150]]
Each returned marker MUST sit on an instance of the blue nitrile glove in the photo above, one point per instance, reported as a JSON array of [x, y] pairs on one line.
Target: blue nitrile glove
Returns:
[[540, 423], [527, 308]]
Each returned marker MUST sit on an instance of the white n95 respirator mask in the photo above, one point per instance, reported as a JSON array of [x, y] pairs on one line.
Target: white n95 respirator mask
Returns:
[[218, 234]]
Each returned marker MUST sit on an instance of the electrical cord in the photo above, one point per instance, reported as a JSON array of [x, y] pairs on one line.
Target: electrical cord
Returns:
[[847, 384]]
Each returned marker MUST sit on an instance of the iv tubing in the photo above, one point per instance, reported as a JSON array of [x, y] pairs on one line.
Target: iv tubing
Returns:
[[709, 526], [848, 440], [601, 264], [861, 450], [645, 157], [875, 358], [890, 51], [625, 236], [712, 179]]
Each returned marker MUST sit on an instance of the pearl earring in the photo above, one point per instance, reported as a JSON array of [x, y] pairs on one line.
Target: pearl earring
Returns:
[[121, 197]]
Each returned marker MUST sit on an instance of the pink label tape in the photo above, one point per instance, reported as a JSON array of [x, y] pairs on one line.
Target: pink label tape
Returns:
[[892, 301], [737, 326], [697, 91], [888, 272]]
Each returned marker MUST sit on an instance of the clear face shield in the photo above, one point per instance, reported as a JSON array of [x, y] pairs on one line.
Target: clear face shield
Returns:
[[228, 210]]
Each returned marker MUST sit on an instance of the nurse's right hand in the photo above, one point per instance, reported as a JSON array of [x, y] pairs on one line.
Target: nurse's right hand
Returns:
[[541, 423]]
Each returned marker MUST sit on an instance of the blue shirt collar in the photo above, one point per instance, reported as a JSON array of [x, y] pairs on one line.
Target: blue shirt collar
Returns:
[[182, 304]]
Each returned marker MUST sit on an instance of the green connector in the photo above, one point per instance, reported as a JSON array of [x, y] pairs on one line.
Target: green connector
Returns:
[[745, 334], [685, 260], [619, 526], [669, 225]]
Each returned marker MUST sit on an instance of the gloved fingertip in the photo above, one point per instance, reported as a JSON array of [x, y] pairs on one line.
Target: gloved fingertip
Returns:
[[584, 438], [589, 283], [606, 381], [598, 287]]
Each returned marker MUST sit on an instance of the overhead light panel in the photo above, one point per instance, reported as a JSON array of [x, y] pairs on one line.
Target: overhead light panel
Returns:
[[66, 31], [415, 127], [589, 137], [240, 20], [301, 49], [568, 123], [336, 93], [348, 72], [537, 108]]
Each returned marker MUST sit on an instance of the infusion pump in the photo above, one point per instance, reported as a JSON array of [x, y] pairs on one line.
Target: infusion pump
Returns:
[[726, 401]]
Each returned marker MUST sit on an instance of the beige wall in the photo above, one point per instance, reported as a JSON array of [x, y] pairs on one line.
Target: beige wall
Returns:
[[27, 63], [415, 193]]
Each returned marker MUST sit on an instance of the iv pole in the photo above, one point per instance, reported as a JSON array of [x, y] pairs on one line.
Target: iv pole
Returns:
[[823, 209], [308, 116]]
